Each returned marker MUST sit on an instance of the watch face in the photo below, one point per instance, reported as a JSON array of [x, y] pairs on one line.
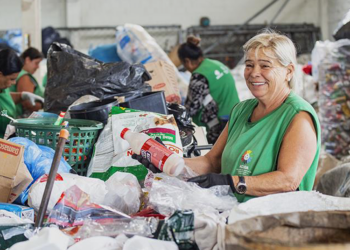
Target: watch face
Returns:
[[241, 188]]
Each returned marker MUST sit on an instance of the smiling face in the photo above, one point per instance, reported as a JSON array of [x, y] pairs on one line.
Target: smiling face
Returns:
[[265, 76]]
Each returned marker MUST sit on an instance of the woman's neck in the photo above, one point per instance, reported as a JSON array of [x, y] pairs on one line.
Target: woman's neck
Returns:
[[25, 68], [265, 107]]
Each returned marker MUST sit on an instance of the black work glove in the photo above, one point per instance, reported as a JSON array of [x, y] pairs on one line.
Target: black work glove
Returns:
[[145, 162], [209, 180]]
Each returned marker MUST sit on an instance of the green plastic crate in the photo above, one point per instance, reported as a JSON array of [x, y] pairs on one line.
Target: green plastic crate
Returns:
[[78, 149]]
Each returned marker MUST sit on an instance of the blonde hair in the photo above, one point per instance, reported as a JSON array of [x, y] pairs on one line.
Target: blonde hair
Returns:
[[281, 45]]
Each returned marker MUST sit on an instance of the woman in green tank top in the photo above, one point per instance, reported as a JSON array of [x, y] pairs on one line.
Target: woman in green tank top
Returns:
[[10, 66], [31, 58], [212, 91], [271, 144]]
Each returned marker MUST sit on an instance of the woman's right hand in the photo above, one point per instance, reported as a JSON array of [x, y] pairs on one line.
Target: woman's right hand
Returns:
[[25, 95]]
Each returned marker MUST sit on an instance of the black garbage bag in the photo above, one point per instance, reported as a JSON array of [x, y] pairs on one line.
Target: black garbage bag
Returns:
[[50, 35], [72, 74], [183, 121], [342, 30]]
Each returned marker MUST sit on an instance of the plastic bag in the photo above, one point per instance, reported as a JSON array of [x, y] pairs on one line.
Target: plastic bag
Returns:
[[100, 242], [336, 182], [38, 160], [168, 194], [290, 202], [343, 28], [47, 238], [112, 153], [112, 228], [142, 243], [324, 52], [106, 53], [331, 67], [95, 188], [75, 206], [124, 193], [180, 229], [72, 74], [135, 45]]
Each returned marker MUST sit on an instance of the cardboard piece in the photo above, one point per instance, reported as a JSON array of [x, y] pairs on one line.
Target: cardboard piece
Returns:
[[164, 79], [174, 57], [14, 175], [299, 231]]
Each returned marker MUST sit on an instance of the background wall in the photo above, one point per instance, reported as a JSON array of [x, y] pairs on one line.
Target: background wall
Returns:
[[77, 13]]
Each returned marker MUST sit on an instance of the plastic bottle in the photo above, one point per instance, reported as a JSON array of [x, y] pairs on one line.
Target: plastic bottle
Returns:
[[161, 157]]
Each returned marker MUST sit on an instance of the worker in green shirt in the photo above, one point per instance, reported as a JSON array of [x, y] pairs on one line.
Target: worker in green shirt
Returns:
[[212, 91], [25, 81], [271, 143], [10, 66]]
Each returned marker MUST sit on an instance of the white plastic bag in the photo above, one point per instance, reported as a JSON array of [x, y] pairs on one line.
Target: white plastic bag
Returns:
[[48, 238], [143, 243], [135, 45], [94, 187], [168, 194], [325, 51], [97, 243], [299, 201], [124, 193]]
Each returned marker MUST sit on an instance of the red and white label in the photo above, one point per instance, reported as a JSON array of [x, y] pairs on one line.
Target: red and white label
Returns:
[[9, 149], [46, 176], [156, 153]]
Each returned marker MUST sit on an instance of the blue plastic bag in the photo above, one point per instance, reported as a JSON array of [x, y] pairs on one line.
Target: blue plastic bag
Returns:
[[38, 160], [105, 53]]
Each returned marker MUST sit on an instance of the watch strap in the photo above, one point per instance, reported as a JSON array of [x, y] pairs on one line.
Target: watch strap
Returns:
[[241, 179], [230, 182]]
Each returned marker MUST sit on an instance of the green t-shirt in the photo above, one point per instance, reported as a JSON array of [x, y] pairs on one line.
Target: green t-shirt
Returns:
[[38, 90], [6, 103], [221, 87], [252, 148]]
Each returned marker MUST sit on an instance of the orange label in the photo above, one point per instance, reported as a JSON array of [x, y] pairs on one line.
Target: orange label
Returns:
[[9, 149]]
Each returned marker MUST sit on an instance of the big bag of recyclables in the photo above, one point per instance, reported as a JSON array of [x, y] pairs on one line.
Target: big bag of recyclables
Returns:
[[112, 153], [95, 188], [136, 45]]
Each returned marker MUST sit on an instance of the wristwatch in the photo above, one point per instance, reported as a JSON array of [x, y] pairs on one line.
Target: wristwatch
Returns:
[[241, 187]]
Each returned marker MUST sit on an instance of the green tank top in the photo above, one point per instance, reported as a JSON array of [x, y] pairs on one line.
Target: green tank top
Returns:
[[252, 148], [222, 87], [6, 103], [38, 90]]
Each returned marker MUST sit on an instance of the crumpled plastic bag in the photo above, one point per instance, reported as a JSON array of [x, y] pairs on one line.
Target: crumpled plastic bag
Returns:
[[47, 238], [325, 52], [336, 182], [143, 243], [72, 74], [100, 242], [38, 160], [168, 194], [75, 207], [124, 193], [93, 187]]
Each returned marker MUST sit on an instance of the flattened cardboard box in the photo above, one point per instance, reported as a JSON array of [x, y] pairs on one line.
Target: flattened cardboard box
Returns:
[[14, 175], [164, 78]]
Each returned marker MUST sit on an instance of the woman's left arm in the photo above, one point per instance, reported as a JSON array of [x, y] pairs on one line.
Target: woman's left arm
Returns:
[[296, 155]]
